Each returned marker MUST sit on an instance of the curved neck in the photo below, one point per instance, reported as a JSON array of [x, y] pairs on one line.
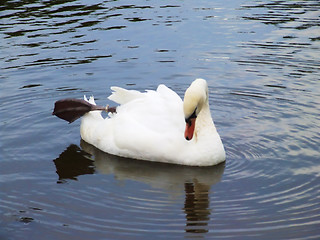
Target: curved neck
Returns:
[[204, 121]]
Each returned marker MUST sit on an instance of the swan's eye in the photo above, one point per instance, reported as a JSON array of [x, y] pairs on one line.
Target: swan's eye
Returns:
[[188, 121], [193, 115]]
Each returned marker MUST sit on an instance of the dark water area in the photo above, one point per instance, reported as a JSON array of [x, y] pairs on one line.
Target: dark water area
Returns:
[[261, 61]]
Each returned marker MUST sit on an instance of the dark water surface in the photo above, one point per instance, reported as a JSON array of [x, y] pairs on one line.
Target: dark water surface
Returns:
[[261, 60]]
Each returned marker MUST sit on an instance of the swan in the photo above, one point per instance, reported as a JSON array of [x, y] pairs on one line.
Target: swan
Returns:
[[157, 126]]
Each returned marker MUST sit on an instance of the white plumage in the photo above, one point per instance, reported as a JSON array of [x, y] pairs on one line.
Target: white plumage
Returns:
[[151, 125]]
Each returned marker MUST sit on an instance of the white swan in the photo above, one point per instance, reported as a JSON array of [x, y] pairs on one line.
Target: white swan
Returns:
[[157, 126]]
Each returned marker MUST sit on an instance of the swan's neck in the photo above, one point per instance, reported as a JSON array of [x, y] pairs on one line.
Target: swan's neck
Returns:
[[204, 122]]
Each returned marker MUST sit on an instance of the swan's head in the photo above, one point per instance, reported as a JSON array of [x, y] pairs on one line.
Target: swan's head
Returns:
[[194, 99]]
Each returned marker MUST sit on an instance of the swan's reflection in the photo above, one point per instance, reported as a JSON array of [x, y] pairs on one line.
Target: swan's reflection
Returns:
[[196, 207], [73, 162], [195, 182]]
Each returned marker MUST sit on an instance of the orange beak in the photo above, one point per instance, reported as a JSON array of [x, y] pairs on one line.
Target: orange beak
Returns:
[[188, 133]]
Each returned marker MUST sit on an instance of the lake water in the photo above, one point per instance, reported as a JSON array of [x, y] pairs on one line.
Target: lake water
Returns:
[[262, 62]]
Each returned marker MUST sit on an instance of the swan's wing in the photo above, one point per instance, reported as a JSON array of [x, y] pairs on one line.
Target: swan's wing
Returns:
[[147, 124], [150, 108], [122, 96]]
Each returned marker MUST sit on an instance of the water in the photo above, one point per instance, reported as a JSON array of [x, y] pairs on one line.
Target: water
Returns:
[[261, 60]]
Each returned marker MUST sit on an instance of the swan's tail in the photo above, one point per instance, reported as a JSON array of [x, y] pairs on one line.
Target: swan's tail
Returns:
[[94, 114], [88, 131], [90, 100]]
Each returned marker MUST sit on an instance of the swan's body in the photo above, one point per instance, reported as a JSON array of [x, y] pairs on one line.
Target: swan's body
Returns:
[[151, 126]]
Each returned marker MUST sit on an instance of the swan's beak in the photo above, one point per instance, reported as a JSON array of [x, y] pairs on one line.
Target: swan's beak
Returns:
[[190, 124]]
